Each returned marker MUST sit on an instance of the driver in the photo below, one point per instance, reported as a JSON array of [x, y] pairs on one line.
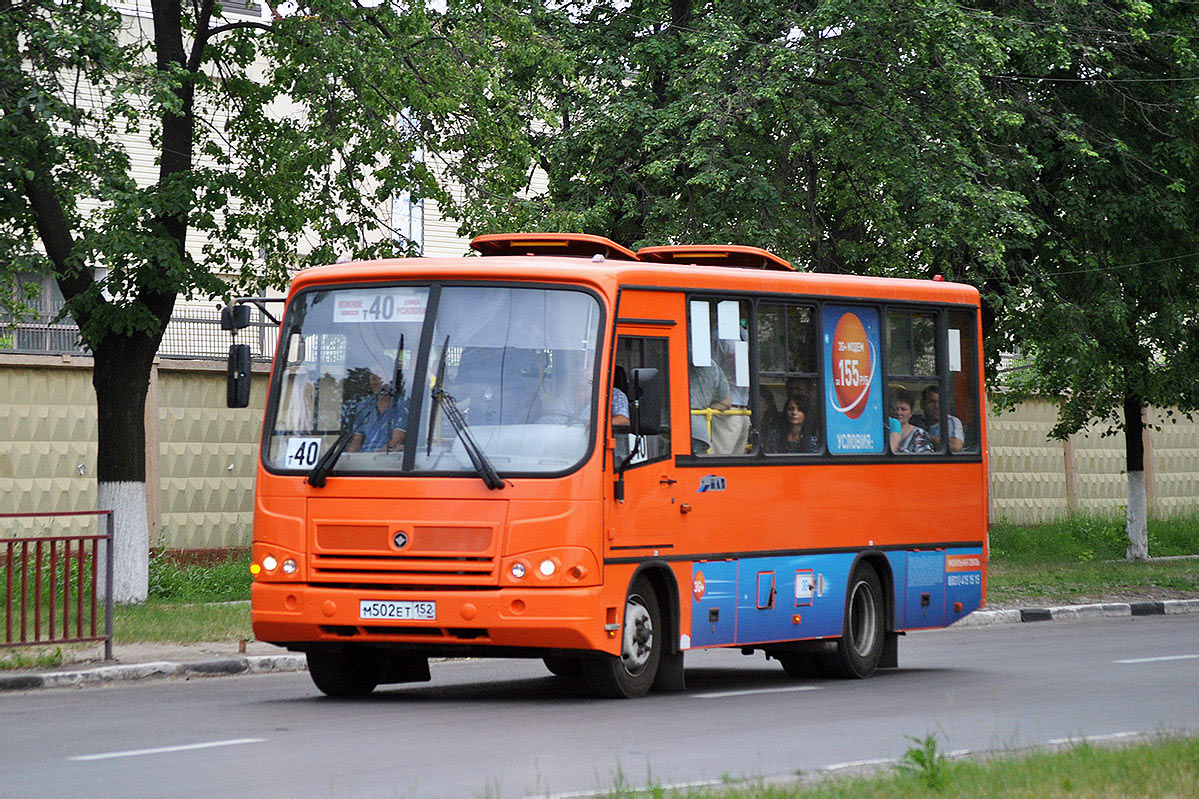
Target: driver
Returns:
[[379, 418]]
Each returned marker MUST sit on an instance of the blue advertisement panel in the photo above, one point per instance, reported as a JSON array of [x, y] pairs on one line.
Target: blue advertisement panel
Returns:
[[853, 401]]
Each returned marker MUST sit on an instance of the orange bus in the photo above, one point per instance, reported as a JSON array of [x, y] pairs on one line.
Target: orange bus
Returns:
[[570, 451]]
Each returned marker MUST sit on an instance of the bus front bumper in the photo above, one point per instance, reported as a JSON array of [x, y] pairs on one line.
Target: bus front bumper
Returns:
[[546, 618]]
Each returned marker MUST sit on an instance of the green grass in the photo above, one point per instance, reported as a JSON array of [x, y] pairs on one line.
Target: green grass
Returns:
[[180, 623], [1083, 539], [181, 605], [224, 581], [31, 659], [1081, 558], [1164, 769]]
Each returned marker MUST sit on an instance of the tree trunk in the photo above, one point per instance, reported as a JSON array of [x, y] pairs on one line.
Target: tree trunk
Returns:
[[1136, 527], [121, 378]]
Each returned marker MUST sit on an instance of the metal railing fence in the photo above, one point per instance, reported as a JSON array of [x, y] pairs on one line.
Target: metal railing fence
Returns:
[[193, 332], [39, 571]]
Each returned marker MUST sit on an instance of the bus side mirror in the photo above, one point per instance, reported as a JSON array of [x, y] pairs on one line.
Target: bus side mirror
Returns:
[[645, 402], [237, 376], [235, 317]]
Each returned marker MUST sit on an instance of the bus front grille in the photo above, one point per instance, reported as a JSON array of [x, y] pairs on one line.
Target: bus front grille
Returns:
[[393, 570]]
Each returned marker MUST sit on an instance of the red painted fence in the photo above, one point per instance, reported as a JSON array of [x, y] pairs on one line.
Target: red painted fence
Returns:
[[51, 584]]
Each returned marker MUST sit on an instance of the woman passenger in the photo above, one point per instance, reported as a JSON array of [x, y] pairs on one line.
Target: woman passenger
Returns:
[[795, 434], [905, 436]]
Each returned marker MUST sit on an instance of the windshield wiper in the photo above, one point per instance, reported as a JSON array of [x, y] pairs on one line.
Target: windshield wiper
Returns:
[[325, 465], [440, 397]]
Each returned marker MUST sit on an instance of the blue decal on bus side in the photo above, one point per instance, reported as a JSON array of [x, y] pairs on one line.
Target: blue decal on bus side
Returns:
[[963, 582], [761, 600], [713, 603], [757, 600], [925, 598], [898, 561]]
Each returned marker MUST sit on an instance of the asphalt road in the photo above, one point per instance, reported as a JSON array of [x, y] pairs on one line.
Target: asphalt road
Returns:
[[508, 729]]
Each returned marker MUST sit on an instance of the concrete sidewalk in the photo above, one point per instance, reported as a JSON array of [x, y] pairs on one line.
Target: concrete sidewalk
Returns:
[[184, 661]]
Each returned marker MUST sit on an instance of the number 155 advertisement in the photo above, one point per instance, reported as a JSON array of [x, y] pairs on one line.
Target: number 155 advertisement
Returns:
[[853, 398]]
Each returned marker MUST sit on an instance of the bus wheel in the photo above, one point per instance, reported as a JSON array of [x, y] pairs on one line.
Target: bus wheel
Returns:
[[337, 672], [631, 674], [861, 646]]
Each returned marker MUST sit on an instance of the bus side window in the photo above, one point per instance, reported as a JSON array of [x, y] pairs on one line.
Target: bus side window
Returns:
[[639, 352], [961, 399], [788, 419], [912, 365]]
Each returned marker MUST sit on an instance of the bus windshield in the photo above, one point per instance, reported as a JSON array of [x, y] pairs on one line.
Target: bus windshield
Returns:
[[518, 363]]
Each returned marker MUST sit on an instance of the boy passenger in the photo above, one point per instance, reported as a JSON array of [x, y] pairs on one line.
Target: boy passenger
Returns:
[[930, 404]]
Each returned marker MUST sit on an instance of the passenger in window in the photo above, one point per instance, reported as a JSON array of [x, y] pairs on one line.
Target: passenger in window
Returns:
[[930, 404], [730, 432], [771, 417], [709, 388], [906, 437], [380, 418], [795, 434]]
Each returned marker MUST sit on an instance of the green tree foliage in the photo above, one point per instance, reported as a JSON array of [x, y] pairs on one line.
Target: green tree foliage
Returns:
[[1104, 307], [270, 137], [846, 135]]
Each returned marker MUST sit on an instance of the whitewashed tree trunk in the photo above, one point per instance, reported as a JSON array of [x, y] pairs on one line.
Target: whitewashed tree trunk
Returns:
[[1137, 526], [131, 547]]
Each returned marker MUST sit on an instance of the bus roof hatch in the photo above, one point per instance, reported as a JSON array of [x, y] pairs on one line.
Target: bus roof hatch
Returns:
[[715, 255], [576, 245]]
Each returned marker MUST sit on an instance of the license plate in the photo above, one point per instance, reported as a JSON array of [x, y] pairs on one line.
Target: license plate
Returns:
[[401, 611]]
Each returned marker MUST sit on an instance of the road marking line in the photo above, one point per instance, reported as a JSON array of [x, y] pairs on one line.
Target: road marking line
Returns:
[[164, 749], [1111, 736], [1158, 659], [719, 694]]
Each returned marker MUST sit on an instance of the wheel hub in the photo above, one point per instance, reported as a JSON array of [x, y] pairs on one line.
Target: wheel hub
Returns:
[[638, 637]]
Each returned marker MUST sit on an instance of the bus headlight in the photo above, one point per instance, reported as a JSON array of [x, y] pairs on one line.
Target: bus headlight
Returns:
[[518, 570], [547, 567], [289, 566], [269, 563]]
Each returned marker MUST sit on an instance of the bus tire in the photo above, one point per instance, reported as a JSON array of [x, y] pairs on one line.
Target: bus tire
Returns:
[[338, 673], [631, 674], [860, 647]]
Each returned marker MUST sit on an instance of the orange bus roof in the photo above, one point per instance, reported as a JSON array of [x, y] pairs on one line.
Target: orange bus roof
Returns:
[[715, 255], [579, 245]]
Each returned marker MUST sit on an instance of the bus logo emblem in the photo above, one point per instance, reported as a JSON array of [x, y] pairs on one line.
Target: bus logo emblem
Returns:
[[400, 539], [699, 587]]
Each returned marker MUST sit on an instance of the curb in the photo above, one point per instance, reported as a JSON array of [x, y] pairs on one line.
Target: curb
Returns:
[[1168, 607], [264, 664], [253, 664]]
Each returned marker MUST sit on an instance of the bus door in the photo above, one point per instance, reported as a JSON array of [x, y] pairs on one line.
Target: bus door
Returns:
[[645, 522]]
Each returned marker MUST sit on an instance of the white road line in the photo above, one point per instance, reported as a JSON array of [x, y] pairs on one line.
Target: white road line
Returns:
[[164, 749], [1158, 659], [1111, 736], [720, 694]]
